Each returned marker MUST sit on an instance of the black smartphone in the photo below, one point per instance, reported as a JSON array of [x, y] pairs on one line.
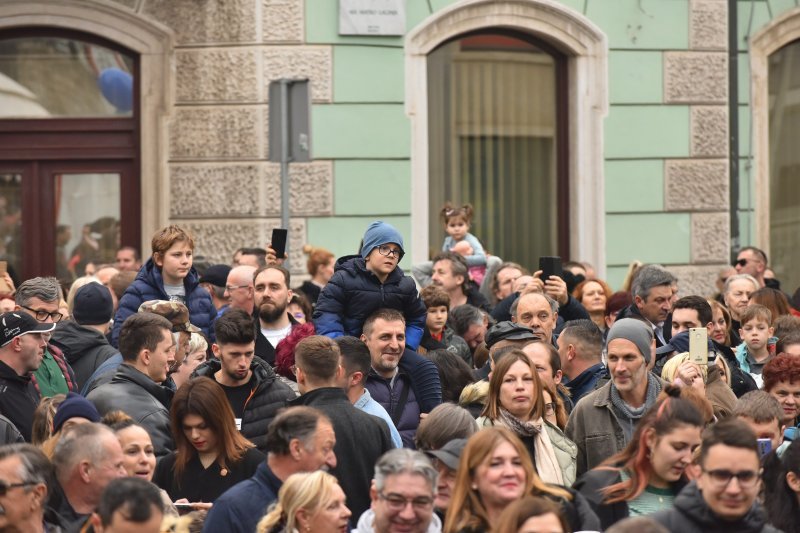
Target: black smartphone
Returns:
[[278, 242], [550, 266]]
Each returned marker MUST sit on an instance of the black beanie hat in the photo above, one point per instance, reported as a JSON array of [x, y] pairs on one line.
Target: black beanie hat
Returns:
[[93, 305]]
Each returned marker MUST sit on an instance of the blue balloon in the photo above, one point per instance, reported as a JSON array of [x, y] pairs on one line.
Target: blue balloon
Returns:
[[117, 87]]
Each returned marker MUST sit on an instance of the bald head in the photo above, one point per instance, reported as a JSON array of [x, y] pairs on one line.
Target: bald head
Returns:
[[239, 287]]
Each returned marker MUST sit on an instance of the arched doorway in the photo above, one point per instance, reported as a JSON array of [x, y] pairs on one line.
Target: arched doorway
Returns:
[[498, 128], [584, 48]]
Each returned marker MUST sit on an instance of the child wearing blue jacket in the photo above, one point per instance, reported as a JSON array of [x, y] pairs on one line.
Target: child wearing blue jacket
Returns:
[[362, 284]]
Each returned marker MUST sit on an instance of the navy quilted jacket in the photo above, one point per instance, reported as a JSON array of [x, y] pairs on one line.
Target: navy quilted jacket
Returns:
[[354, 293], [149, 285]]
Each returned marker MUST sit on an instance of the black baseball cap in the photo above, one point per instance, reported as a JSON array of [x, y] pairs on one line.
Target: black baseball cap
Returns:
[[508, 331], [216, 275], [15, 324]]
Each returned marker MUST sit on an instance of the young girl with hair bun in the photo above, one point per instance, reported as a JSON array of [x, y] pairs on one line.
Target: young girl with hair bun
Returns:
[[457, 221]]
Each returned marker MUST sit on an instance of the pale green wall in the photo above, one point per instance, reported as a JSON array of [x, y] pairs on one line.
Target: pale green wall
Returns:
[[366, 132]]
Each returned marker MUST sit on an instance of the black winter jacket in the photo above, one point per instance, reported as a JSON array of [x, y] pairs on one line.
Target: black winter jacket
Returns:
[[18, 399], [361, 439], [267, 396], [84, 348], [691, 514], [142, 399]]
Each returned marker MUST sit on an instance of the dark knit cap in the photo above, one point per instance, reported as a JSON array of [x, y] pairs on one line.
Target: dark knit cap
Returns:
[[93, 305], [74, 406]]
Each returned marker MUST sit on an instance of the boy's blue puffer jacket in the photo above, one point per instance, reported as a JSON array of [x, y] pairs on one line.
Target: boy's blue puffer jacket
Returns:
[[354, 293], [149, 285]]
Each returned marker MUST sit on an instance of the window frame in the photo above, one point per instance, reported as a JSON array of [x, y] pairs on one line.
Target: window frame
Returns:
[[38, 146]]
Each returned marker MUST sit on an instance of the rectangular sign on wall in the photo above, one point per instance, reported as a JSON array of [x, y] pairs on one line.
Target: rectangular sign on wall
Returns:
[[372, 17]]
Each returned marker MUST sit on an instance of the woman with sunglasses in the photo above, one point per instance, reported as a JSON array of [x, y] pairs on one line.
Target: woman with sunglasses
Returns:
[[494, 471], [210, 454], [647, 475], [516, 402]]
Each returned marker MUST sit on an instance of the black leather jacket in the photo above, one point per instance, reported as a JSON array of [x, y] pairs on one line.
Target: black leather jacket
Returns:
[[142, 399]]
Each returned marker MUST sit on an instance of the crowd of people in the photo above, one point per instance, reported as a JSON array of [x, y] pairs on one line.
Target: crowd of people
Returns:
[[474, 396]]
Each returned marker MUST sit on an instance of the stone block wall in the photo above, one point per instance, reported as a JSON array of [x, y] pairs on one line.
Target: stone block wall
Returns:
[[220, 184]]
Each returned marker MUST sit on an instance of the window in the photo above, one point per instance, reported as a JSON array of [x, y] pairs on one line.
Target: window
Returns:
[[69, 152], [496, 121], [784, 167]]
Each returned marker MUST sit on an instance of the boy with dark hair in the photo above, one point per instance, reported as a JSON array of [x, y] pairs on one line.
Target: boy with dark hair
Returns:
[[168, 275], [437, 335]]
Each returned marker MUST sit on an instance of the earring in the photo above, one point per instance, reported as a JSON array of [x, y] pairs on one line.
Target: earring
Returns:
[[474, 486]]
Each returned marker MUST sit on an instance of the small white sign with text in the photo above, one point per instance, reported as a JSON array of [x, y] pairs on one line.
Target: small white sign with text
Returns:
[[372, 17]]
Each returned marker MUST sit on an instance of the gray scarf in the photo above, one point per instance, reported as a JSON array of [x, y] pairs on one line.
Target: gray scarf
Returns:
[[526, 429], [629, 416]]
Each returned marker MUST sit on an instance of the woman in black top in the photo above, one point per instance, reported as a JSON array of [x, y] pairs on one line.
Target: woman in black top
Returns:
[[210, 455]]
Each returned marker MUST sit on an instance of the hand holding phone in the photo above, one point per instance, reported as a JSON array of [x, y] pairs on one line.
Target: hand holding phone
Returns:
[[278, 243], [550, 266]]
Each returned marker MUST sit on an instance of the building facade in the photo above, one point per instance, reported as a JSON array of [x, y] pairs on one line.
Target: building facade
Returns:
[[599, 130]]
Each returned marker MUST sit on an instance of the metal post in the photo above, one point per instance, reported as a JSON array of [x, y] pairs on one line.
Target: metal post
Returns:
[[285, 161]]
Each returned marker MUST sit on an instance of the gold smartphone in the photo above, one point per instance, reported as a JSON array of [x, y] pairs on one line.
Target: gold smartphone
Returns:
[[698, 346]]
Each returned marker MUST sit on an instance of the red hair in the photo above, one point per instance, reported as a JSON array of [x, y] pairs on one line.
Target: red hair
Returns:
[[673, 409], [784, 367], [284, 352]]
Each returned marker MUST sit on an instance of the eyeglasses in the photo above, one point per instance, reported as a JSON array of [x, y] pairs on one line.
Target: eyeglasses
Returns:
[[231, 288], [42, 315], [747, 478], [386, 251], [395, 502], [549, 408], [740, 262], [4, 487]]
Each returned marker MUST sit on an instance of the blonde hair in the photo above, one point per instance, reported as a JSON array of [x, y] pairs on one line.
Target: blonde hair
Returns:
[[197, 343], [73, 290], [308, 491], [670, 369], [633, 269]]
